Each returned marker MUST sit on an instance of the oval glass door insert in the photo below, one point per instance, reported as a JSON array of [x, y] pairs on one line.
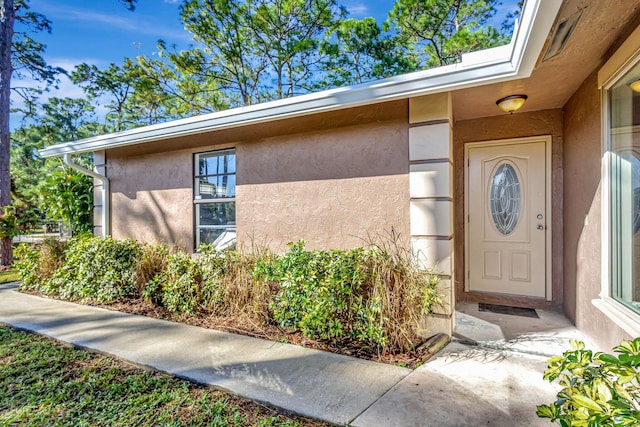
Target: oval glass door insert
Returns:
[[505, 198]]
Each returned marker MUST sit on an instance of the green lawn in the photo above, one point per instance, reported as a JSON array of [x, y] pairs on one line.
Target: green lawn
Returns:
[[9, 276], [45, 383]]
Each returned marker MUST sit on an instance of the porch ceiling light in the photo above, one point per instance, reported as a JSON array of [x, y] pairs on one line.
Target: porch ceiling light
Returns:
[[511, 103], [635, 85]]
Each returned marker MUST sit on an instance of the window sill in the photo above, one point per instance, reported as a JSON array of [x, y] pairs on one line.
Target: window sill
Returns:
[[626, 319]]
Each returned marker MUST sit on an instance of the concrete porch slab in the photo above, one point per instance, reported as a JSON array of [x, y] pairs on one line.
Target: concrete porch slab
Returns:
[[466, 386]]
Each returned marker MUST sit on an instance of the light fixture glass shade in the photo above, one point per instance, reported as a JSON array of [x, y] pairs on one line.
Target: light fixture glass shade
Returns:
[[511, 103], [635, 85]]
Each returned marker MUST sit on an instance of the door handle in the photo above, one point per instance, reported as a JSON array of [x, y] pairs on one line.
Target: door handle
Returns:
[[540, 227]]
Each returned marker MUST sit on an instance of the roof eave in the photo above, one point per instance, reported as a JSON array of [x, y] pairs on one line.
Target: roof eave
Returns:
[[504, 63]]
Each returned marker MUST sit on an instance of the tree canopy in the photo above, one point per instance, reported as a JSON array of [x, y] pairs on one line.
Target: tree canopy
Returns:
[[20, 54]]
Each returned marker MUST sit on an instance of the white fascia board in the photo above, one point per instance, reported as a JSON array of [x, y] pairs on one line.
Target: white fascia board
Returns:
[[513, 61], [529, 37]]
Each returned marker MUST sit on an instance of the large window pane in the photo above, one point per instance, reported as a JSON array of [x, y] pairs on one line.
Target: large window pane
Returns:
[[624, 137], [220, 162], [216, 213], [221, 238], [211, 187]]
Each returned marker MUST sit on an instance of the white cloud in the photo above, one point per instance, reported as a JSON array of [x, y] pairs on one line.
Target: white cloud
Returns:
[[65, 88], [171, 1], [357, 10], [69, 63]]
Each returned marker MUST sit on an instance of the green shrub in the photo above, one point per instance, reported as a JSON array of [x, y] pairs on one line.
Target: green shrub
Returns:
[[177, 287], [26, 262], [37, 264], [68, 196], [101, 270], [375, 296], [213, 287], [598, 389], [219, 282]]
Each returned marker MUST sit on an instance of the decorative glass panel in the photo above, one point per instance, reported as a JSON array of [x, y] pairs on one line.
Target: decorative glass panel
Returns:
[[505, 195]]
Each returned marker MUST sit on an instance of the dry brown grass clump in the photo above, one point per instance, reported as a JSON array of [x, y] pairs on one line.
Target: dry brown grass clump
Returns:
[[407, 292], [152, 261], [243, 292]]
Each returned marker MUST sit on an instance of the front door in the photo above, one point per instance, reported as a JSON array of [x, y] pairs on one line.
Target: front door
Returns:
[[506, 209]]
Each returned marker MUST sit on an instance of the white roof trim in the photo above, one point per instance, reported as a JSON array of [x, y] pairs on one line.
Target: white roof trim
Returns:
[[513, 61]]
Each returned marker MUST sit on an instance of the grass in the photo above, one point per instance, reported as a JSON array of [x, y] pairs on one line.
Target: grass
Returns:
[[7, 276], [46, 383]]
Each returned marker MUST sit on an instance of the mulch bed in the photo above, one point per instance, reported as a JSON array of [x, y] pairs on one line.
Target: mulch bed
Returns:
[[242, 325]]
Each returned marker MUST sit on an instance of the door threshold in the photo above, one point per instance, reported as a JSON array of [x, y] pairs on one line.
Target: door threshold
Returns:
[[508, 309], [508, 300]]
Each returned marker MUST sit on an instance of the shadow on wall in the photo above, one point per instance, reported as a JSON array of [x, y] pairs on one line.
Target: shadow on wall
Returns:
[[155, 216], [378, 149], [582, 157]]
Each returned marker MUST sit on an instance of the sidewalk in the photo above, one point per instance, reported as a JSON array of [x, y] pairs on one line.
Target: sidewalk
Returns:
[[490, 375], [492, 382]]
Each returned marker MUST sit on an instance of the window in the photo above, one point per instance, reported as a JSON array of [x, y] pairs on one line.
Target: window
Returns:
[[505, 198], [215, 198], [624, 189]]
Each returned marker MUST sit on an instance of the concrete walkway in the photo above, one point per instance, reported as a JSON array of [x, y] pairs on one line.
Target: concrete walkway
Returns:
[[493, 381]]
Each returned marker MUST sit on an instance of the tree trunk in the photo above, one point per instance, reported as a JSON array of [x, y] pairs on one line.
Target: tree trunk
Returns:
[[6, 251], [7, 17]]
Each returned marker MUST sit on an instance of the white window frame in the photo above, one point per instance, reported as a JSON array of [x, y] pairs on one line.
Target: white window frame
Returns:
[[626, 57], [197, 200]]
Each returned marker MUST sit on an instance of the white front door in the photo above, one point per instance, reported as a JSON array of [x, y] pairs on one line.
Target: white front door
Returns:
[[506, 210]]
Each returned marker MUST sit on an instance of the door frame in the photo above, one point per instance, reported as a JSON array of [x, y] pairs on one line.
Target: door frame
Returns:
[[548, 208]]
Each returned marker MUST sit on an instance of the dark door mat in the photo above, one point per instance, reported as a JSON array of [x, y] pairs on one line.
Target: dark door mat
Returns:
[[505, 309]]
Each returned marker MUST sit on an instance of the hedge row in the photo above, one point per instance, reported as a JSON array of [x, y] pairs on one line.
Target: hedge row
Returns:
[[376, 295]]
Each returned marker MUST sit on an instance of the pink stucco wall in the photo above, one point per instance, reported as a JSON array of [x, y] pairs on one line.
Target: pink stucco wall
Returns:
[[342, 180], [151, 197], [583, 215], [332, 188]]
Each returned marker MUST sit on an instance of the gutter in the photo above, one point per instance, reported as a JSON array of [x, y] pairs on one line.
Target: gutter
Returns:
[[105, 191]]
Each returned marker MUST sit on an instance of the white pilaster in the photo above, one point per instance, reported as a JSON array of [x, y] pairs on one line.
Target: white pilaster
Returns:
[[100, 166], [431, 196]]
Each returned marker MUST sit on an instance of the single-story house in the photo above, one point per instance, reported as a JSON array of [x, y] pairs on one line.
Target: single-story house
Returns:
[[535, 208]]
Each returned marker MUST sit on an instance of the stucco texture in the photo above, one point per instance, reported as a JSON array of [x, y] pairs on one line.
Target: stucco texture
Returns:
[[583, 214], [333, 186], [151, 197]]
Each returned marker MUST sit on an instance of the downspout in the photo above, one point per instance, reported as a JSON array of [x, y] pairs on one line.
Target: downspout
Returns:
[[105, 191]]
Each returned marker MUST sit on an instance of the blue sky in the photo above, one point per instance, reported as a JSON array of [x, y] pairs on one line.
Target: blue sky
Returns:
[[103, 31]]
